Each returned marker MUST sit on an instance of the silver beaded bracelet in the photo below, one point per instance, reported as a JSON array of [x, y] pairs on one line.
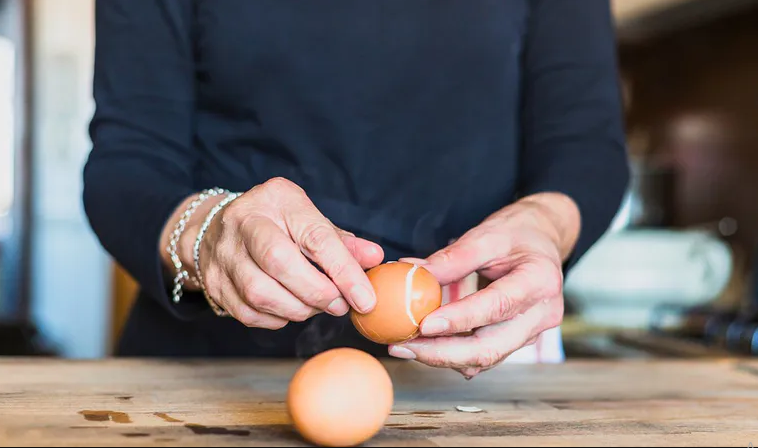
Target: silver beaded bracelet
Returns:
[[204, 228], [181, 274]]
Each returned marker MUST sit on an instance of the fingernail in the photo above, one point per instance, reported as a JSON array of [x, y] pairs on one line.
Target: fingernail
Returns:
[[402, 353], [418, 261], [435, 326], [363, 298], [338, 307]]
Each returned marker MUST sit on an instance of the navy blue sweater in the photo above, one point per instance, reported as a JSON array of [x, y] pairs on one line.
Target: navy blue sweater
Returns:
[[406, 122]]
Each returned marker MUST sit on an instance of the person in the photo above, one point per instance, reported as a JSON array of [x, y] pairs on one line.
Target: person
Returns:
[[297, 144]]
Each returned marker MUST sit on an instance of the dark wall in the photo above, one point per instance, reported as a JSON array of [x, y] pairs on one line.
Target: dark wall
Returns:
[[693, 108], [693, 115]]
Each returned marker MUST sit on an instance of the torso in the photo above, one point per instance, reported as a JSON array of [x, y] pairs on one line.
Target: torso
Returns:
[[400, 119]]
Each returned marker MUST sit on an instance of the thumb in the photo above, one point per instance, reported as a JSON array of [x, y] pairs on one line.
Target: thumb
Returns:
[[455, 262], [367, 253]]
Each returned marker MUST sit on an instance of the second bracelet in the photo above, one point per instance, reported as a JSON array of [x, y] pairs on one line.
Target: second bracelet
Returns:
[[196, 252]]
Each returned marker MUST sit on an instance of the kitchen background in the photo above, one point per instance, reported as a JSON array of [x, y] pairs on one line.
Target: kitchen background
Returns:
[[673, 276]]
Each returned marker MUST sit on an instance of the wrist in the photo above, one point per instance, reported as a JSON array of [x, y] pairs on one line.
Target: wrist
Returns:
[[559, 217], [183, 248]]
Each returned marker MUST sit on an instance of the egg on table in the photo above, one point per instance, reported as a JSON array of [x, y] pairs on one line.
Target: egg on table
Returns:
[[406, 293], [341, 397]]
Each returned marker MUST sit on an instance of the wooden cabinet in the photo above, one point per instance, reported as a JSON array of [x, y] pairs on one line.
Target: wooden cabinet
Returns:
[[124, 293]]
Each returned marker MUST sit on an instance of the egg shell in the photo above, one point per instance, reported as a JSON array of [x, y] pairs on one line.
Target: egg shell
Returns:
[[406, 294], [341, 397]]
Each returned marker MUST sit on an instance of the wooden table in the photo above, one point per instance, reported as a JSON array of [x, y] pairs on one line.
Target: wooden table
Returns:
[[201, 403]]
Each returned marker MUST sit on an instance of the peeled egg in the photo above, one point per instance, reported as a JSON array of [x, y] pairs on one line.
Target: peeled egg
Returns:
[[341, 397], [406, 294]]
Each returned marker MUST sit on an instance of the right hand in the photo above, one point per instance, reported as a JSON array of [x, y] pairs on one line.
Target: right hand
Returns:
[[255, 257]]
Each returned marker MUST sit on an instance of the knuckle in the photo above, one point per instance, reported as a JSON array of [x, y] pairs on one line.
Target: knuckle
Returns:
[[504, 307], [316, 238], [247, 317], [277, 182], [552, 287], [276, 258], [255, 195], [555, 316], [486, 358], [249, 322], [320, 297], [225, 252], [482, 245], [444, 256], [300, 314], [552, 283], [279, 185], [265, 304], [275, 325], [435, 361], [251, 292], [233, 213], [336, 267], [470, 372]]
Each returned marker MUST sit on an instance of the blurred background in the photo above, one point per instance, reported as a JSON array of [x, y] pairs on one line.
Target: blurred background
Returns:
[[674, 276]]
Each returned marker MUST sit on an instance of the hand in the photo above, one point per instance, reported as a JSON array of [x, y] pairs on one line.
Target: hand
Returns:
[[521, 248], [256, 259]]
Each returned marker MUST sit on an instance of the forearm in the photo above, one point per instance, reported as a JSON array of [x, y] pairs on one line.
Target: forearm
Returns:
[[143, 158], [574, 140], [581, 199], [558, 215], [128, 201]]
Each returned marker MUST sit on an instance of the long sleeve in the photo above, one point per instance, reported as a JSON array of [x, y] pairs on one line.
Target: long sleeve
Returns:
[[140, 168], [572, 120]]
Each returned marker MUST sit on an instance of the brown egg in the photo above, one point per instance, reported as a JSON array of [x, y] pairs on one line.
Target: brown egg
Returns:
[[405, 294], [341, 397]]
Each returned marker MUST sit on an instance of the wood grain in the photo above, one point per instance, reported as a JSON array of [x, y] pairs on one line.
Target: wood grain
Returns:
[[201, 403]]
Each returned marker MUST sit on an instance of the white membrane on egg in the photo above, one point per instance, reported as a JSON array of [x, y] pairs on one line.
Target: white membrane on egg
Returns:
[[409, 293], [469, 409]]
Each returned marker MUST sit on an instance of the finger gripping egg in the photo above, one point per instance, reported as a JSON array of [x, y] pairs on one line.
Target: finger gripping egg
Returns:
[[406, 294], [341, 397]]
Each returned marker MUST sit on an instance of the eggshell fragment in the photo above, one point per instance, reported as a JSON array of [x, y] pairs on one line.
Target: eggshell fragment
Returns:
[[341, 397], [406, 294]]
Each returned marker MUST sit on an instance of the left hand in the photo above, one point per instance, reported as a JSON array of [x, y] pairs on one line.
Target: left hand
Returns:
[[521, 248]]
